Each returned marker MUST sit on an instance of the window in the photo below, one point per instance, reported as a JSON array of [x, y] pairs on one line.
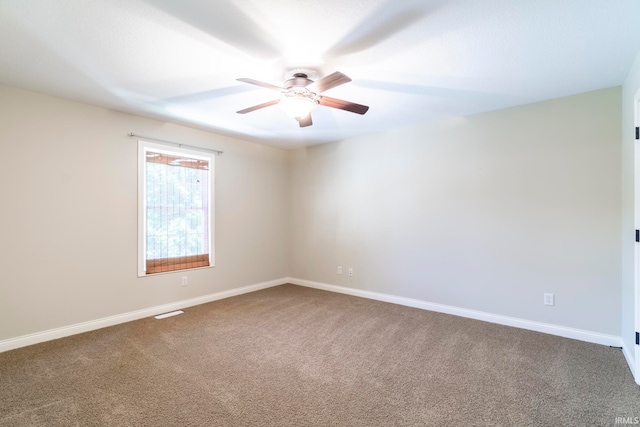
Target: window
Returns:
[[175, 207]]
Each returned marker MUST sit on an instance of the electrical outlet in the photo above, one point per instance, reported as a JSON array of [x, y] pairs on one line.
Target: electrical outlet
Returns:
[[548, 299], [350, 271], [184, 280], [339, 269]]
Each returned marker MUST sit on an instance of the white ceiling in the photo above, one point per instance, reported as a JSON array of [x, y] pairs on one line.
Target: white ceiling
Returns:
[[411, 61]]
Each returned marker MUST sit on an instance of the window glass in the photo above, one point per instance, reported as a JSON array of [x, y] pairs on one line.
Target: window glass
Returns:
[[175, 209]]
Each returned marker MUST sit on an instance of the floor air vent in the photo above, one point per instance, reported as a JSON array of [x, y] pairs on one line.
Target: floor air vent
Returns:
[[165, 315]]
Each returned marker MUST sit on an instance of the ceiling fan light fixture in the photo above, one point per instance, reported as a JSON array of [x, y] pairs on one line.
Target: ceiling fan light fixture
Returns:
[[297, 106], [300, 95]]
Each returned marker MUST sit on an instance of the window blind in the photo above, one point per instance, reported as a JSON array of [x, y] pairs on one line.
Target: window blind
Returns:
[[177, 212]]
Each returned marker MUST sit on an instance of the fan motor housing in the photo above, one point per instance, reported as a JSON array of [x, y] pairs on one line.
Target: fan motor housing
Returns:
[[298, 80]]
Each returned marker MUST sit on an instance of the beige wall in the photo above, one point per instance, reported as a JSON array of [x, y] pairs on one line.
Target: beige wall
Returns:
[[68, 221], [486, 212]]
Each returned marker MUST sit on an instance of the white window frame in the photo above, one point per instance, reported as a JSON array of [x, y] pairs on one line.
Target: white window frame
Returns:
[[143, 147]]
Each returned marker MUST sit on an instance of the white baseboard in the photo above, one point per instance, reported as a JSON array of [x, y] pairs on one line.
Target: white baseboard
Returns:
[[563, 331], [579, 334], [631, 362], [51, 334]]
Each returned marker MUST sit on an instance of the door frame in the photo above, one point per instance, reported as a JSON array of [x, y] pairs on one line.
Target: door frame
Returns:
[[636, 246]]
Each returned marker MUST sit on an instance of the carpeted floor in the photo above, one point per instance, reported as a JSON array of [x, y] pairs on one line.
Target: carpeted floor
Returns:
[[293, 356]]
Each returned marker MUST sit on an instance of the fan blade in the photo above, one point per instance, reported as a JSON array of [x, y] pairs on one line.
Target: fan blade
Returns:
[[259, 106], [262, 84], [305, 121], [328, 82], [342, 105]]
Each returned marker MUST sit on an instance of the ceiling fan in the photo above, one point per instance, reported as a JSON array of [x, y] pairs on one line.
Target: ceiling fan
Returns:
[[300, 95]]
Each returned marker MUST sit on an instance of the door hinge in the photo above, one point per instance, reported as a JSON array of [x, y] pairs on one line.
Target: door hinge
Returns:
[[637, 235], [637, 338], [637, 132]]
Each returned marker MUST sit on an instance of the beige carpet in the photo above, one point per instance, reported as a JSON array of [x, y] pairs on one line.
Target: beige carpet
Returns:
[[292, 356]]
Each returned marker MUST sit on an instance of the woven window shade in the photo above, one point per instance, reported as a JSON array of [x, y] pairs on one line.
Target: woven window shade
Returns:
[[177, 212]]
